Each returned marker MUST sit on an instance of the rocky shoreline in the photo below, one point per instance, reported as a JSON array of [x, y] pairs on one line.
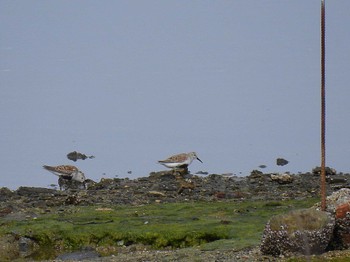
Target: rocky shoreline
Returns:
[[169, 187], [166, 187]]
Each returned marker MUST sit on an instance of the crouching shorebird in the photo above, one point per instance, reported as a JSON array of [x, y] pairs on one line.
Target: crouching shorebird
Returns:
[[180, 161], [67, 174]]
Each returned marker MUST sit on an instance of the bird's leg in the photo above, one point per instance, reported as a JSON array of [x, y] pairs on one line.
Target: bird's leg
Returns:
[[174, 171]]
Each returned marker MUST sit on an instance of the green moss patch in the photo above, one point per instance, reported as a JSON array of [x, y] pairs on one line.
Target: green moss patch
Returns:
[[303, 219], [211, 225]]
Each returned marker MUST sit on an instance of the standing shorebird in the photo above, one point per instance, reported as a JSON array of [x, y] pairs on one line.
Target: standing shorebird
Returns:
[[181, 160], [66, 173]]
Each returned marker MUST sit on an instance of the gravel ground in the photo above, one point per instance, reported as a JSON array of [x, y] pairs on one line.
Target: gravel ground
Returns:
[[183, 255], [193, 255]]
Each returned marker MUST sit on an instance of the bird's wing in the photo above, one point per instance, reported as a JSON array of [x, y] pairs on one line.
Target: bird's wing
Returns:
[[64, 169]]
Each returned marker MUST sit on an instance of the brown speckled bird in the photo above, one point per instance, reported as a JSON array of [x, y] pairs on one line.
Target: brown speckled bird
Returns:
[[180, 160], [67, 172]]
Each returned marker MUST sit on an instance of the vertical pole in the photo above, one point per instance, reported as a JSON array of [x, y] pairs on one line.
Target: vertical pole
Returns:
[[323, 110]]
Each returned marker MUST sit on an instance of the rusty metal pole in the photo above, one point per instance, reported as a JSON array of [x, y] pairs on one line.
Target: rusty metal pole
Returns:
[[323, 110]]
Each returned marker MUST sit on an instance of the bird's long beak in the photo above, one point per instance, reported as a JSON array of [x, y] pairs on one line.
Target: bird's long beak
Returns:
[[199, 160]]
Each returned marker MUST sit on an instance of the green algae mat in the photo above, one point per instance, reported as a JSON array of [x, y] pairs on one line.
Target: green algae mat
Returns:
[[209, 225]]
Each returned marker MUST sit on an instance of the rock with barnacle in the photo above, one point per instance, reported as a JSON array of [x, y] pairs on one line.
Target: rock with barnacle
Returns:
[[305, 231], [342, 229], [336, 199], [282, 178]]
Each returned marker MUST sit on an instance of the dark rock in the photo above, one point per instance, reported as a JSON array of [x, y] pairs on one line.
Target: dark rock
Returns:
[[336, 179], [281, 162], [165, 177], [30, 191], [202, 173], [27, 246], [329, 171], [168, 174], [74, 156], [5, 193], [256, 174]]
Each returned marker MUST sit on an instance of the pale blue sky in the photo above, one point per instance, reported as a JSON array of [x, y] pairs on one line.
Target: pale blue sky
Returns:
[[133, 82]]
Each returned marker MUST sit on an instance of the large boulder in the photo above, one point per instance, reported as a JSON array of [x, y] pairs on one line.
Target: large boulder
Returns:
[[305, 231], [339, 204]]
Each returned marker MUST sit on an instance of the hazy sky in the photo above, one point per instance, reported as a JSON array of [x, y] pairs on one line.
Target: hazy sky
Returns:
[[133, 82]]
